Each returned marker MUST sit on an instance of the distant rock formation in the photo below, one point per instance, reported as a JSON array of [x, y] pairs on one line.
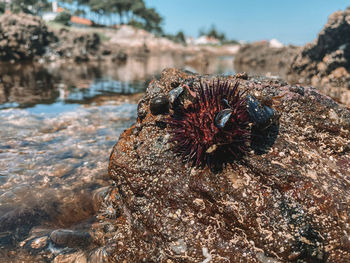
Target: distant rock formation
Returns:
[[22, 37], [78, 46], [263, 57], [325, 63]]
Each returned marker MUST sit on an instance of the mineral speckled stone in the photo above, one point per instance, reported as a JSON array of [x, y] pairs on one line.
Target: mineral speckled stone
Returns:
[[290, 204]]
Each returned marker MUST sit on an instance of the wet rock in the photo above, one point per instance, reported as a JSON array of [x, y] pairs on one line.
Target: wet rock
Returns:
[[22, 37], [17, 223], [325, 63], [106, 52], [78, 257], [290, 204], [39, 243], [242, 75], [70, 238], [120, 57], [98, 197], [98, 255]]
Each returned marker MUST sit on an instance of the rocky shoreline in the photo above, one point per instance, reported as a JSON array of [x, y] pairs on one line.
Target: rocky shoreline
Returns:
[[260, 59], [325, 63], [285, 199], [40, 42]]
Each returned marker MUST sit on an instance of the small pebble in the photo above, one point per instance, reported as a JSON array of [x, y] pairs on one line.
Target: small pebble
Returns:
[[70, 238]]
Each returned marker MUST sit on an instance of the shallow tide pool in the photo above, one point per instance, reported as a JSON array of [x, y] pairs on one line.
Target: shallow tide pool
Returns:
[[58, 125]]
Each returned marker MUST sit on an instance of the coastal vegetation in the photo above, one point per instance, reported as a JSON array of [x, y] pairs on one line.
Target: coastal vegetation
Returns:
[[107, 12], [111, 13]]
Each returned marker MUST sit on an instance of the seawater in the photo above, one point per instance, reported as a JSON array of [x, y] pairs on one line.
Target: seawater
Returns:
[[58, 124]]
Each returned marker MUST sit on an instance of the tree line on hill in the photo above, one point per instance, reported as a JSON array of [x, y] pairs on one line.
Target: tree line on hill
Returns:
[[131, 12]]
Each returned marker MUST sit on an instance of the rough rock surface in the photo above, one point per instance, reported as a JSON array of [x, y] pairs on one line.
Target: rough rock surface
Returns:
[[290, 204], [26, 37], [79, 46], [22, 37], [260, 58], [325, 63]]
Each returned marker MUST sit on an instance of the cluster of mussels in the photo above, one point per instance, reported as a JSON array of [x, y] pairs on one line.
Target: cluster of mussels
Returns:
[[215, 123]]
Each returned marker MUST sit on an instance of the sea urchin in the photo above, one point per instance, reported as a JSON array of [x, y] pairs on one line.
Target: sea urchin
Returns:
[[214, 128]]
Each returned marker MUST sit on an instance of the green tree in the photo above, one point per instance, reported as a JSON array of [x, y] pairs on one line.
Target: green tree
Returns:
[[79, 4], [29, 6], [2, 7], [181, 37], [101, 7], [212, 32], [79, 12], [137, 8], [132, 12], [63, 18], [152, 20]]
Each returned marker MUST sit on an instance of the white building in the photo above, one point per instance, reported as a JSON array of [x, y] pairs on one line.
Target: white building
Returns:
[[202, 40]]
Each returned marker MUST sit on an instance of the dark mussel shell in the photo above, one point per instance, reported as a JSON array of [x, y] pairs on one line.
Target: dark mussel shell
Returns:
[[260, 115], [181, 97], [159, 105], [222, 118], [265, 128], [174, 94]]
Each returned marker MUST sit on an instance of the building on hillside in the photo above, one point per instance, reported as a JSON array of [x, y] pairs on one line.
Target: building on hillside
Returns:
[[202, 40], [80, 22], [49, 16], [275, 43], [75, 20]]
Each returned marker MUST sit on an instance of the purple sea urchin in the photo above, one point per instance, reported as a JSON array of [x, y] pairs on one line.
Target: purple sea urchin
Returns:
[[214, 127]]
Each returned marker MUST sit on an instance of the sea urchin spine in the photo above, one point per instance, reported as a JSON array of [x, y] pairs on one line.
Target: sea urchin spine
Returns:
[[214, 128]]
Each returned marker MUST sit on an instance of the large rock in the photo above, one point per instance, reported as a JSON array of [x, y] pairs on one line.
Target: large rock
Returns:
[[289, 204], [22, 37], [325, 63], [78, 46]]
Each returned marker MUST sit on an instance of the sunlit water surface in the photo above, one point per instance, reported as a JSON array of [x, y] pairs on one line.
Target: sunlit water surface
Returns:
[[58, 124]]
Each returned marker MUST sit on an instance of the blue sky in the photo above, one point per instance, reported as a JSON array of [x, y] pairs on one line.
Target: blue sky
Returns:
[[290, 21]]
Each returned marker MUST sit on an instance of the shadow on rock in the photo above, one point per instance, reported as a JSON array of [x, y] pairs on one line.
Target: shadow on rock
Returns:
[[263, 140]]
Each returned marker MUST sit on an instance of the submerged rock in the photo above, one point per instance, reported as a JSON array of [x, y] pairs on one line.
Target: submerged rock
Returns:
[[70, 238], [290, 204]]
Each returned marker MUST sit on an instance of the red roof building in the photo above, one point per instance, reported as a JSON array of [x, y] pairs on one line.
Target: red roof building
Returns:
[[80, 21]]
